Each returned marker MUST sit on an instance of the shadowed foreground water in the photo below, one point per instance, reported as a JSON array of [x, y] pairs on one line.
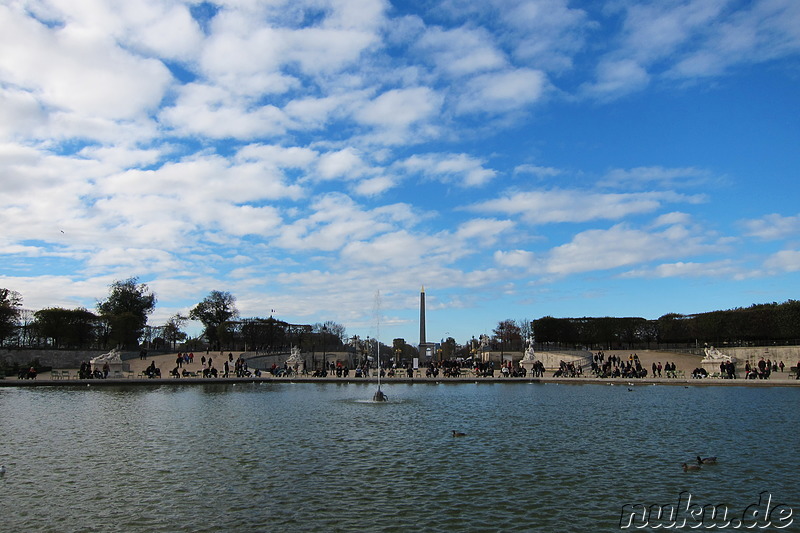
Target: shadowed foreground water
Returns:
[[320, 457]]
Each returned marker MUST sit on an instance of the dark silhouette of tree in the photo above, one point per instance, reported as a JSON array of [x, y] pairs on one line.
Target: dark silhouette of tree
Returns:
[[10, 308], [216, 312], [67, 328], [125, 311], [172, 329], [508, 335]]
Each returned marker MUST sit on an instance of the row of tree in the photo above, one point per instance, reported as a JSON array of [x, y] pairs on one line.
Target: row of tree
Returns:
[[121, 320], [773, 323]]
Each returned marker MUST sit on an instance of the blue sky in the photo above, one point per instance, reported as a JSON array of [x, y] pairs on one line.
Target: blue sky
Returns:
[[517, 158]]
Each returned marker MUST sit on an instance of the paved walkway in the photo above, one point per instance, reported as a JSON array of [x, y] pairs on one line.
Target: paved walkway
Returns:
[[166, 362]]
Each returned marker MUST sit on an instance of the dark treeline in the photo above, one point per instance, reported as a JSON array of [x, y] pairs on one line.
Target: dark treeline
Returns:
[[774, 323], [121, 321], [82, 329]]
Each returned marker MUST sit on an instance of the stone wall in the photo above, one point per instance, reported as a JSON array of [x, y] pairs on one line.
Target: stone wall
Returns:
[[790, 355], [55, 358]]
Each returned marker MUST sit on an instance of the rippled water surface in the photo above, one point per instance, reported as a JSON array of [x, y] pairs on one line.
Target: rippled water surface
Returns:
[[320, 457]]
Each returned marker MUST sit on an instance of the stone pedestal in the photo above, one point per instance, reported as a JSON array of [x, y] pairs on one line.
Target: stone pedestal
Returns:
[[114, 361], [527, 364], [114, 368]]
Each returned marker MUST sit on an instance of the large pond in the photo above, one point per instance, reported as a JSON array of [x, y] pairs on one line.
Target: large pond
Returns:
[[322, 457]]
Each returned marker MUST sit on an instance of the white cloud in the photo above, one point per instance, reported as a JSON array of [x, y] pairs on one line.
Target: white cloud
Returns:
[[78, 69], [616, 78], [546, 33], [462, 169], [693, 39], [657, 29], [322, 50], [277, 156], [538, 171], [344, 163], [399, 109], [784, 261], [20, 114], [544, 207], [760, 32], [483, 231], [315, 112], [461, 51], [375, 186], [713, 269], [772, 227], [672, 219], [620, 246], [335, 219], [213, 112], [515, 259], [502, 91], [644, 177], [121, 156], [39, 292]]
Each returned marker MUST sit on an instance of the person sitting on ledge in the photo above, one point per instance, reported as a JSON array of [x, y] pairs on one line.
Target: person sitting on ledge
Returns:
[[27, 374], [699, 373], [174, 372], [151, 371]]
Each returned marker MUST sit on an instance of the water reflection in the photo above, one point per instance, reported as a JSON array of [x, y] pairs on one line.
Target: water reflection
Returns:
[[323, 457]]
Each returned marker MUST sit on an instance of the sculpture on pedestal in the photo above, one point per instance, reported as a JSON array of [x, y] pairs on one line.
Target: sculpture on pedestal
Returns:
[[715, 356], [529, 353], [296, 361]]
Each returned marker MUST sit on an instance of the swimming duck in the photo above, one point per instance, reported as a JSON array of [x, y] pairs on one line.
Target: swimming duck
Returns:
[[706, 460], [458, 434], [2, 470], [690, 468]]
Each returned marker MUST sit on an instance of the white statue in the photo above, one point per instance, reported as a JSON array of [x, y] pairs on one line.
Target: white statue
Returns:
[[715, 356], [294, 358], [529, 355], [114, 356]]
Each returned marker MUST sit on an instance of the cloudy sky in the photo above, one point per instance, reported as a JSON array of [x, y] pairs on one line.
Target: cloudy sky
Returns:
[[518, 158]]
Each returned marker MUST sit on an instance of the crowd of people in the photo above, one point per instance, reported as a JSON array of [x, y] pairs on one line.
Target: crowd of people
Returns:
[[612, 366], [615, 366], [568, 369], [764, 368]]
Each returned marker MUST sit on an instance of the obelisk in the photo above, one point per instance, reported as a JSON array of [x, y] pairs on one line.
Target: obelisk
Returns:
[[422, 341]]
